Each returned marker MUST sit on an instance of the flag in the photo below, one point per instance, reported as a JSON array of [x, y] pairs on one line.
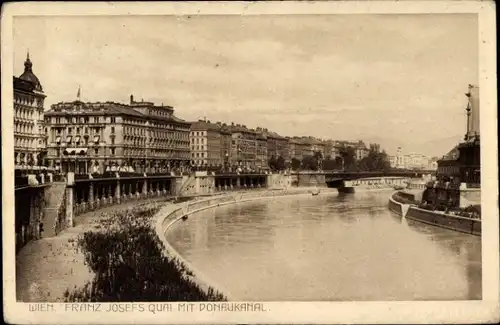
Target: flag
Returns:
[[78, 94]]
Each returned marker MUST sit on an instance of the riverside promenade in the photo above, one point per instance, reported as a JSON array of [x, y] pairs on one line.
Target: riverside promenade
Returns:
[[46, 268]]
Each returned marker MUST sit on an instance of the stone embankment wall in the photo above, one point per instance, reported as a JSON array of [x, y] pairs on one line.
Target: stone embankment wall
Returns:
[[435, 218], [279, 181]]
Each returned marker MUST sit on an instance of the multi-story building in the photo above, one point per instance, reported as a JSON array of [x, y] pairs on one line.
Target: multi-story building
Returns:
[[318, 146], [393, 161], [360, 149], [29, 133], [98, 137], [206, 144], [432, 163], [415, 161], [261, 159], [226, 141], [243, 146], [298, 149], [277, 145]]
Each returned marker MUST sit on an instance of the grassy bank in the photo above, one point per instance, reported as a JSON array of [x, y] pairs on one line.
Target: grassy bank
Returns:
[[128, 261]]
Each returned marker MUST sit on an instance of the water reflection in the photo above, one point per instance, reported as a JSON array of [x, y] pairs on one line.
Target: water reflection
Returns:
[[346, 247]]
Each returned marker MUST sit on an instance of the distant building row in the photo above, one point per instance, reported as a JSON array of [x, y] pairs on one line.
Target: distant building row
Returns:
[[413, 161], [141, 136]]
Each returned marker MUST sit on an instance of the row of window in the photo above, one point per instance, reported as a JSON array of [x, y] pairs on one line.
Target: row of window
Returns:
[[198, 133], [27, 143], [27, 128], [85, 130], [28, 100], [25, 113], [161, 112]]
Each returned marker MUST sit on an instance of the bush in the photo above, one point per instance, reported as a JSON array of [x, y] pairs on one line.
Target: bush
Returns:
[[126, 256]]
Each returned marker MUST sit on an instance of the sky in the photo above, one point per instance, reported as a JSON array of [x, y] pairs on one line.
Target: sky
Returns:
[[396, 79]]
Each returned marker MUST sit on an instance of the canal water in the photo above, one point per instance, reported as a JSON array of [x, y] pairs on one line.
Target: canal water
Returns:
[[328, 248]]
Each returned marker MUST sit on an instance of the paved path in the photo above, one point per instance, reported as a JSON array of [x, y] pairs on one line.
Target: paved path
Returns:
[[45, 268]]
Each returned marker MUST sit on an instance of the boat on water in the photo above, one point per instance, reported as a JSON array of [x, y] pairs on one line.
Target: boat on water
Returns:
[[315, 192], [399, 187]]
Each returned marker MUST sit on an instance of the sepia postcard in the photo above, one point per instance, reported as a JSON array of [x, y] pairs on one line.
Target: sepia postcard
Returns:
[[273, 162]]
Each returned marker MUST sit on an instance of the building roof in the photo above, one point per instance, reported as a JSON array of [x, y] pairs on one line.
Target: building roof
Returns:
[[453, 154], [23, 85], [205, 126], [107, 108], [28, 74]]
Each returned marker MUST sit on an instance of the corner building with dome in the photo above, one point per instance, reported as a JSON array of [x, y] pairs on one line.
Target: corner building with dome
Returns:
[[29, 132]]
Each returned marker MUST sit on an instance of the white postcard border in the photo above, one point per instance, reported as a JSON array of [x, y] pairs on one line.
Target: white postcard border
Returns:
[[278, 312]]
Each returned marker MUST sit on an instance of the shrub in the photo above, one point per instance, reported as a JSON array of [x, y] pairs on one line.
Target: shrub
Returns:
[[126, 256]]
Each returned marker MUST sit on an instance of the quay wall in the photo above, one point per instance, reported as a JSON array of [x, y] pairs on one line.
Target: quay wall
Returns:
[[397, 207], [435, 218], [443, 220]]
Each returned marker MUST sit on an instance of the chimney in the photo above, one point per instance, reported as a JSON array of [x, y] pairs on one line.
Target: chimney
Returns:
[[131, 99]]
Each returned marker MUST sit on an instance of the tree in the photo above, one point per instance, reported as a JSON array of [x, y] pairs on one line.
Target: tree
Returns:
[[347, 157], [295, 163], [331, 164], [280, 163], [375, 161], [310, 163], [272, 163]]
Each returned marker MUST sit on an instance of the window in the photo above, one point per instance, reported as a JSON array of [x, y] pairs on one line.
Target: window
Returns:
[[70, 130], [112, 151], [112, 129], [96, 151], [112, 140]]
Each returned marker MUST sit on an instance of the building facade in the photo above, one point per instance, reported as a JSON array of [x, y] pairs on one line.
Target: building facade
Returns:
[[298, 149], [29, 132], [99, 137], [277, 145], [261, 158], [206, 145], [243, 147]]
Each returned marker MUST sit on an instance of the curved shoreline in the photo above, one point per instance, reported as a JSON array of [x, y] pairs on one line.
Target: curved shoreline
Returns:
[[171, 214]]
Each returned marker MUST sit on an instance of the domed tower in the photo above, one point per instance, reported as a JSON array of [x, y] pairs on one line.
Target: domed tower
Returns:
[[28, 105], [28, 74]]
